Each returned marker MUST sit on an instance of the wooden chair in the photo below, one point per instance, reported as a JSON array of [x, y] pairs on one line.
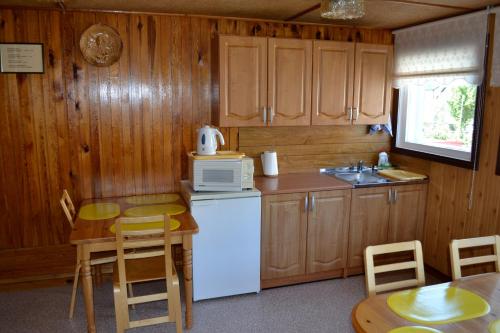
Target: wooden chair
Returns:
[[371, 270], [457, 244], [149, 262], [96, 259]]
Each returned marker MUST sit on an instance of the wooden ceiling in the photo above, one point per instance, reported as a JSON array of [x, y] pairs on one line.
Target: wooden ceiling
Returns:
[[388, 14]]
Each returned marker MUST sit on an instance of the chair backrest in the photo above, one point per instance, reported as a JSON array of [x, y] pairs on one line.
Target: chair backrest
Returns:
[[371, 270], [457, 244], [147, 243], [68, 208]]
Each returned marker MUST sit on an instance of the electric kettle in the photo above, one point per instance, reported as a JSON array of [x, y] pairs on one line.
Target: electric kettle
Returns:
[[207, 142]]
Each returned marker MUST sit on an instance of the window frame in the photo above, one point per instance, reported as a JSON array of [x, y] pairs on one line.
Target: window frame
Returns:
[[476, 135]]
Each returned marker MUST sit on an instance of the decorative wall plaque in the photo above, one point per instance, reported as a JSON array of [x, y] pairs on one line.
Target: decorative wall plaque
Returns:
[[101, 45], [21, 58]]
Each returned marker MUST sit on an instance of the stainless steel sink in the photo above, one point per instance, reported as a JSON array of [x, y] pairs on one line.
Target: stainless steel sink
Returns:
[[366, 177], [362, 178], [336, 170]]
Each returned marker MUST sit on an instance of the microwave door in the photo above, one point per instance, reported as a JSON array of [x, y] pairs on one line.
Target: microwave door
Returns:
[[220, 175]]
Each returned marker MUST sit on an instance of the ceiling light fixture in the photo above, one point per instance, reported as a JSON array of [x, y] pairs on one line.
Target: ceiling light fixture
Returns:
[[342, 9]]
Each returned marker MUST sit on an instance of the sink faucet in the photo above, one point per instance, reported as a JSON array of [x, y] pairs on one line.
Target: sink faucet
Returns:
[[360, 166]]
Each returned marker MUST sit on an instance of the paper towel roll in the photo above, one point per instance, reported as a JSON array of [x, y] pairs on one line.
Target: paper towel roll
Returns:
[[269, 163]]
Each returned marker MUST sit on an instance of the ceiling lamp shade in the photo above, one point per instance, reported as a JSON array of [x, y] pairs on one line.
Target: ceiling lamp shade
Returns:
[[342, 9]]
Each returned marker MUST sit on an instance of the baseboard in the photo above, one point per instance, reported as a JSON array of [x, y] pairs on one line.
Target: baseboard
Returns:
[[37, 264]]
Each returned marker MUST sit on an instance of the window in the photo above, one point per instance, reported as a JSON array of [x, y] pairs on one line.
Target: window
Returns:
[[439, 71], [438, 119]]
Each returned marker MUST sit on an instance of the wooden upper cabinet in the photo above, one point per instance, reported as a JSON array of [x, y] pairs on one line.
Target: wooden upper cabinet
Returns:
[[243, 81], [370, 209], [407, 213], [289, 78], [328, 226], [272, 82], [333, 82], [372, 84], [284, 228]]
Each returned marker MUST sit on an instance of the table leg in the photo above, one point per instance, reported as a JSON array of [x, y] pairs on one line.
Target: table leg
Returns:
[[87, 290], [187, 263]]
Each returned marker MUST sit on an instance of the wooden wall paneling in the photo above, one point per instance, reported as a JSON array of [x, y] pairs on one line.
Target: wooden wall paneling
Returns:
[[6, 233], [56, 120], [84, 94], [166, 102], [125, 129], [186, 110], [13, 192], [153, 50], [196, 59], [123, 117], [102, 123], [70, 75], [310, 148], [176, 96], [24, 125], [136, 27]]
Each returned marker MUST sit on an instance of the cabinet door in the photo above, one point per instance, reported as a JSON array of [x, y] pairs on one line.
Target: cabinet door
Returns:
[[284, 227], [289, 75], [333, 82], [327, 228], [407, 213], [370, 209], [243, 81], [372, 84]]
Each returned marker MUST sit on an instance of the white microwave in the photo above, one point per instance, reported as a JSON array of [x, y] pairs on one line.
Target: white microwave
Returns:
[[221, 174]]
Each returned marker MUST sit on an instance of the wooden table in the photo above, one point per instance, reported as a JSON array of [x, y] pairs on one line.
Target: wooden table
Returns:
[[373, 315], [94, 236]]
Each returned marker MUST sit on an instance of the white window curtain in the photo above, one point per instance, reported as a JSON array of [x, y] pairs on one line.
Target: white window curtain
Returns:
[[495, 69], [441, 51]]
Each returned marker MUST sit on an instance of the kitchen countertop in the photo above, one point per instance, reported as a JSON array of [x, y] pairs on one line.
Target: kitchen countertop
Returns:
[[299, 182], [314, 181]]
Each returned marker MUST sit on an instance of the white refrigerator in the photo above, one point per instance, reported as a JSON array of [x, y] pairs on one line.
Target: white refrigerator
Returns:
[[226, 250]]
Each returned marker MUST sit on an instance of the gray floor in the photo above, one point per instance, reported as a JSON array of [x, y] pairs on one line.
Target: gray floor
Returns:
[[312, 307]]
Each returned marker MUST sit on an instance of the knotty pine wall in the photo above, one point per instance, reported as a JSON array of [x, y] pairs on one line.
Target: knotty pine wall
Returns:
[[125, 129]]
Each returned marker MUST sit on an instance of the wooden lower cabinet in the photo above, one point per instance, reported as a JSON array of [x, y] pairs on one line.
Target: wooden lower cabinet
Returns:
[[407, 216], [320, 235], [328, 226], [370, 209], [284, 228], [304, 236], [407, 213], [387, 214]]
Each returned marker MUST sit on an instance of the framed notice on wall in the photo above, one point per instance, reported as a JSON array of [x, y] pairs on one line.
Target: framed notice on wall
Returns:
[[21, 58]]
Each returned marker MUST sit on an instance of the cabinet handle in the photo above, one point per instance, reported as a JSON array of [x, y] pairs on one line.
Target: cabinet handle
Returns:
[[306, 203], [357, 113], [271, 115], [313, 203], [390, 196], [264, 114], [394, 196], [349, 110]]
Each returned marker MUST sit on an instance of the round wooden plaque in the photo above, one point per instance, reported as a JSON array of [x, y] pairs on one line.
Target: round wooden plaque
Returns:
[[101, 45]]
